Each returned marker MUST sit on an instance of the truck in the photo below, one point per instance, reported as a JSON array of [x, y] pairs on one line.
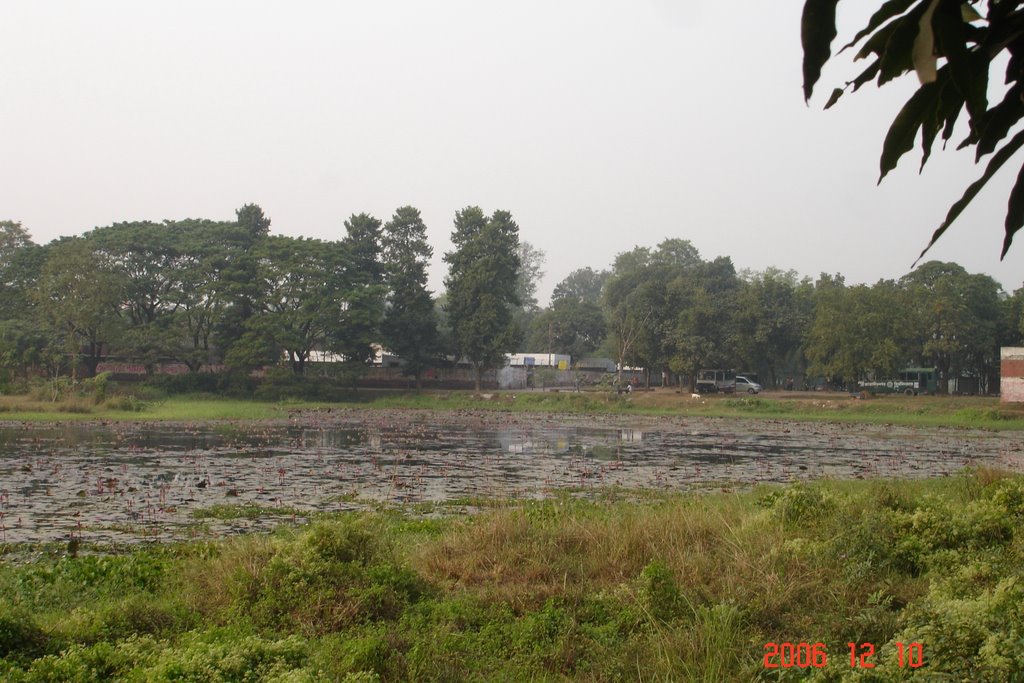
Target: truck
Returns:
[[710, 381], [909, 381]]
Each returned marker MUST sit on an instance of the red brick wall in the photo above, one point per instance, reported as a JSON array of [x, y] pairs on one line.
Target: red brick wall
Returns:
[[1011, 384]]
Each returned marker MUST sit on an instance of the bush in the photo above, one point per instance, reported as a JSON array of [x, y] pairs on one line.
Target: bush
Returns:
[[1008, 496], [214, 656], [281, 384], [658, 592], [96, 387], [332, 576], [127, 403], [52, 390], [800, 504], [78, 395], [980, 637], [359, 655], [20, 637], [203, 383]]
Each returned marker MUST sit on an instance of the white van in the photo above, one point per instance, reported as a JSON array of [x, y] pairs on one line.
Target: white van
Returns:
[[749, 386]]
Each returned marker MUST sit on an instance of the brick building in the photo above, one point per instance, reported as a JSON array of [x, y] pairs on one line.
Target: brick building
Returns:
[[1012, 371]]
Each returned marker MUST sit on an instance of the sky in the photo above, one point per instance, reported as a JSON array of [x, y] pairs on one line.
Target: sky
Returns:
[[600, 125]]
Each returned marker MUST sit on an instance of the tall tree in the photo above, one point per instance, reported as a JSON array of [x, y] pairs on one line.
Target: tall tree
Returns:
[[629, 316], [574, 323], [531, 270], [79, 296], [20, 263], [13, 238], [859, 331], [238, 276], [22, 338], [409, 328], [957, 316], [1011, 322], [481, 287], [359, 327], [179, 277], [774, 311], [583, 285], [301, 302], [251, 219], [652, 301], [210, 252], [701, 333]]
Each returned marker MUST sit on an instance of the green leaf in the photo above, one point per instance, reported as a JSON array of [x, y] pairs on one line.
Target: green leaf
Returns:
[[875, 45], [949, 104], [900, 138], [1013, 67], [994, 164], [884, 13], [968, 13], [923, 51], [834, 97], [997, 123], [969, 67], [817, 30], [1014, 212], [866, 75], [897, 57], [951, 116]]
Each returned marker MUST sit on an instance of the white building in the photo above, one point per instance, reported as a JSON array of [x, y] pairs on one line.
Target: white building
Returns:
[[560, 361]]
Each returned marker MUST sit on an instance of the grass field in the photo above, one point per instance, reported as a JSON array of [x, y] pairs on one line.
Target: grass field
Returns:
[[661, 588], [976, 412]]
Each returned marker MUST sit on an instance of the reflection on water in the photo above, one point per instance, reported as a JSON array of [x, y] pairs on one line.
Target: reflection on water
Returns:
[[120, 484]]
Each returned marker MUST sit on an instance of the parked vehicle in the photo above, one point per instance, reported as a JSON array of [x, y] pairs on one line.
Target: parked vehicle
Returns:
[[713, 381], [909, 381], [747, 385]]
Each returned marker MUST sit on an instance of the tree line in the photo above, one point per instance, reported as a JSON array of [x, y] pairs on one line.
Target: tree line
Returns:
[[207, 293]]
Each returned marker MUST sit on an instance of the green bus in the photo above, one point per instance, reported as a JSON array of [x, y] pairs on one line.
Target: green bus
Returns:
[[909, 381]]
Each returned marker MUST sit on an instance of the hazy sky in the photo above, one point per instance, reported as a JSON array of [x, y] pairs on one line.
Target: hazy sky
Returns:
[[599, 124]]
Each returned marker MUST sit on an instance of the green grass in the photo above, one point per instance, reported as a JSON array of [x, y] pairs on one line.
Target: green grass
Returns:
[[922, 411], [673, 588], [244, 511]]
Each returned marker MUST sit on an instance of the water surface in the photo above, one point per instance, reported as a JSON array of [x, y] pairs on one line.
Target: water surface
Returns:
[[130, 483]]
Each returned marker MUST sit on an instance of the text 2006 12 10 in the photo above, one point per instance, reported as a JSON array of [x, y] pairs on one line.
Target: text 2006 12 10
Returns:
[[815, 655]]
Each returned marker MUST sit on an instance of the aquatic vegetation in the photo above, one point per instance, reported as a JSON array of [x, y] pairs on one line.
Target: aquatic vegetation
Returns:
[[671, 587]]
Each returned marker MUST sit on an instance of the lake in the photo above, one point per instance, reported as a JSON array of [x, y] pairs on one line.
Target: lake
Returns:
[[131, 482]]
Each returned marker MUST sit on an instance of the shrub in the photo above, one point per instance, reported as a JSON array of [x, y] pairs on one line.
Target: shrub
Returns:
[[52, 390], [332, 576], [127, 403], [360, 655], [281, 384], [1008, 496], [658, 593], [96, 387], [800, 504], [20, 637], [968, 638]]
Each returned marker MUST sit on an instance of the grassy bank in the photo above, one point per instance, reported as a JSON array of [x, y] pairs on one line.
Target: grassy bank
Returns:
[[967, 412], [671, 588]]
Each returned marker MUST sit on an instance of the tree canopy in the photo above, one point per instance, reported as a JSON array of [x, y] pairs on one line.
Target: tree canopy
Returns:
[[957, 53], [216, 295], [409, 328], [482, 277]]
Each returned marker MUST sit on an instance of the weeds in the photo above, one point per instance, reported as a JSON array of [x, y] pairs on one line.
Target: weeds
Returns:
[[673, 587]]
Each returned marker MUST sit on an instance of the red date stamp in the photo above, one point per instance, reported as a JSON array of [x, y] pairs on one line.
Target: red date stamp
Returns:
[[815, 655], [799, 655]]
